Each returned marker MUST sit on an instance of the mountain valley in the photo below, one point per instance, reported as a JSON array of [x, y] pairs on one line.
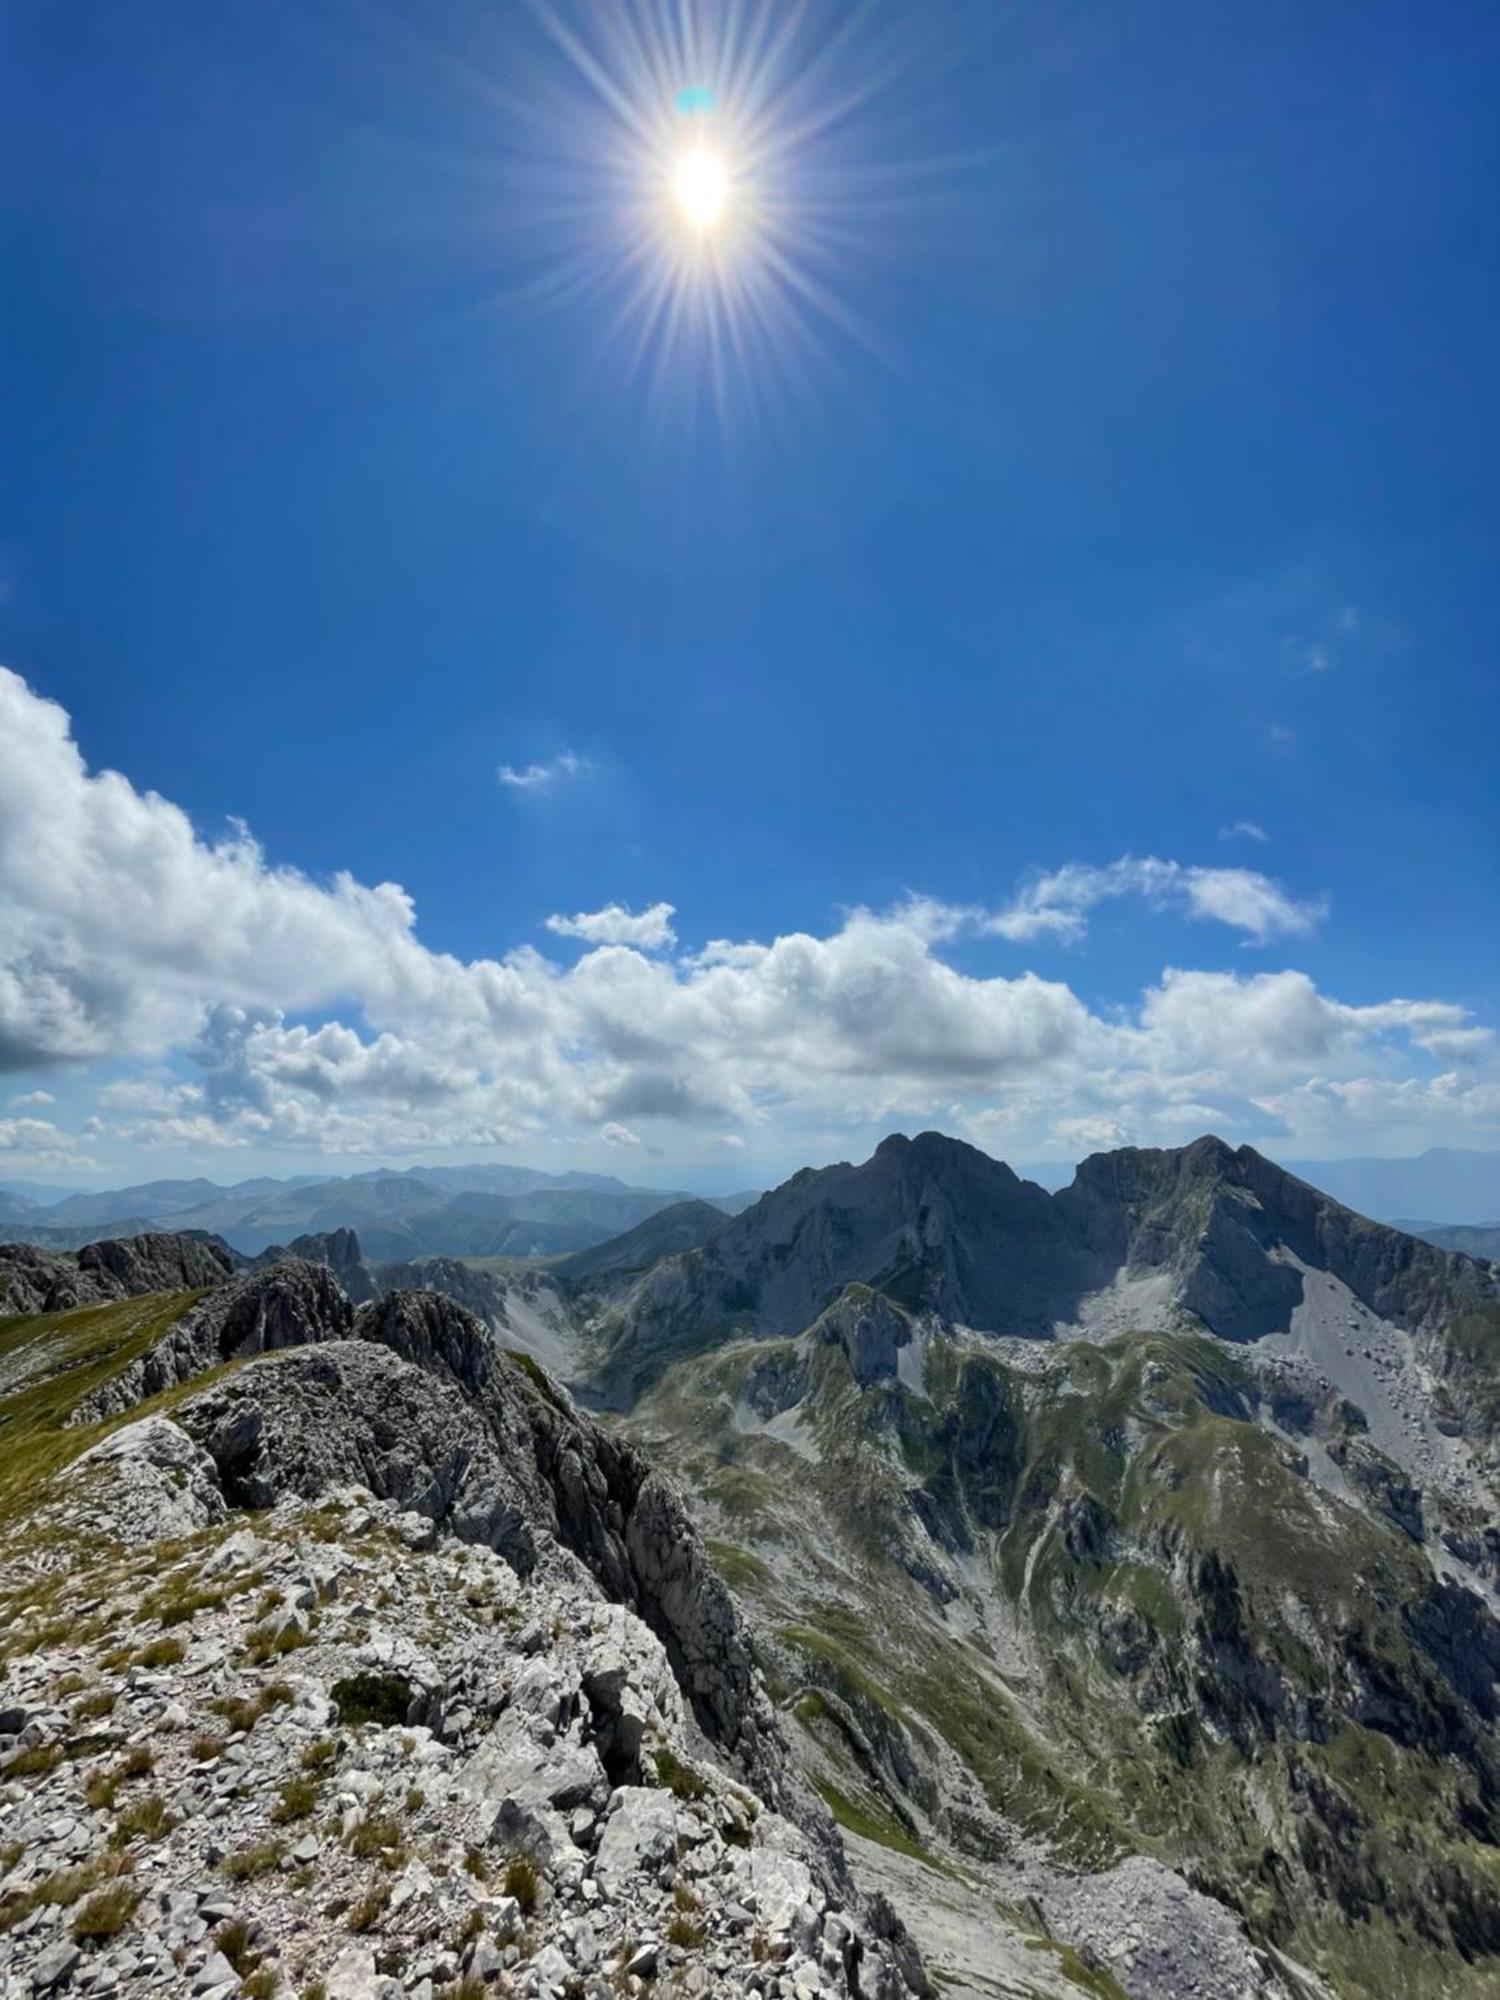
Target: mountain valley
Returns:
[[1115, 1569]]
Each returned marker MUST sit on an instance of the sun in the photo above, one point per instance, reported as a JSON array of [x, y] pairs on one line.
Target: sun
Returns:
[[700, 187]]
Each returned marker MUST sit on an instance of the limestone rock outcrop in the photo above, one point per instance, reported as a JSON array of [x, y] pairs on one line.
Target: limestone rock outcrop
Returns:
[[48, 1281], [290, 1304]]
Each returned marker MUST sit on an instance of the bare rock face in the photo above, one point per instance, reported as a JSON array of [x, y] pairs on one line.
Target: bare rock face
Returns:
[[47, 1281], [339, 1250], [869, 1329], [482, 1292], [937, 1227], [146, 1483], [422, 1409], [434, 1332], [288, 1305], [38, 1281], [1224, 1221]]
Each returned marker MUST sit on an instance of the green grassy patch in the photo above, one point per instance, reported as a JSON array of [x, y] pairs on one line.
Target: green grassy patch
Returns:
[[872, 1822], [739, 1568], [63, 1359]]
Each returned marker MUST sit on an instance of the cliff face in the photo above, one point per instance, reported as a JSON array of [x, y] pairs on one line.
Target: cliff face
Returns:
[[340, 1250], [1223, 1222]]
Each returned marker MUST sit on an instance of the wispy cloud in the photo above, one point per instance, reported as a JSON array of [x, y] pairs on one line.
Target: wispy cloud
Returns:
[[542, 777], [1244, 829], [1057, 905], [650, 930], [25, 1098]]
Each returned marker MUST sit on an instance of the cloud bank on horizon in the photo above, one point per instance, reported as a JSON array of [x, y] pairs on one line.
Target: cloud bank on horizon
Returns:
[[214, 1001]]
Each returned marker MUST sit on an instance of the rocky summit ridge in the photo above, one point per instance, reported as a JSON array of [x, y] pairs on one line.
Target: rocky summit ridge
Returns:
[[1089, 1593], [344, 1656]]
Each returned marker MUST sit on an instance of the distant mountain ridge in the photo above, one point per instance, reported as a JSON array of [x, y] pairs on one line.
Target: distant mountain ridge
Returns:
[[478, 1211], [1480, 1239]]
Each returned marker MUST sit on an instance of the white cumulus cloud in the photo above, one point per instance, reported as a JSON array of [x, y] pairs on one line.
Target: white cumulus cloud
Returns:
[[35, 1143], [241, 1004], [651, 930]]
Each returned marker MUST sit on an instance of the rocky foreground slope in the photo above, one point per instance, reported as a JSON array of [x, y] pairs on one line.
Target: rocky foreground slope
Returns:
[[343, 1657]]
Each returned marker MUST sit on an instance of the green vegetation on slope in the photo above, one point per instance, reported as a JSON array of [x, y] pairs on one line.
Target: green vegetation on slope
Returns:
[[1209, 1657], [49, 1364]]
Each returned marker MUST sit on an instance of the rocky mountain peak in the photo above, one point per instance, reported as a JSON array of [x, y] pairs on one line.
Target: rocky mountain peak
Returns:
[[870, 1331], [1218, 1233], [935, 1159], [339, 1249]]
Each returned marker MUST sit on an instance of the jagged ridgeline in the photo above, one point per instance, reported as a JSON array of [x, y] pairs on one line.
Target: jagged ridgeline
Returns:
[[1118, 1567]]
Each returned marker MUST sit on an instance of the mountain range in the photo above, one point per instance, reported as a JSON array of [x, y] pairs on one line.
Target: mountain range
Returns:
[[482, 1211], [399, 1213], [1122, 1561], [1473, 1239]]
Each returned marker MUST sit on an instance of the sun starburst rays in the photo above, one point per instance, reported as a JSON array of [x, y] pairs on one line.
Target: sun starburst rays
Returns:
[[692, 214]]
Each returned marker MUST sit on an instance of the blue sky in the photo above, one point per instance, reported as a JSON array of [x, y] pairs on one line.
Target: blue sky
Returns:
[[1126, 482]]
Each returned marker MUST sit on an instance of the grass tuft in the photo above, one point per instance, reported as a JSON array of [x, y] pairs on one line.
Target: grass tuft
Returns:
[[105, 1914], [680, 1779], [233, 1939], [142, 1819], [370, 1908], [523, 1882], [297, 1799], [248, 1864], [161, 1653], [379, 1838]]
